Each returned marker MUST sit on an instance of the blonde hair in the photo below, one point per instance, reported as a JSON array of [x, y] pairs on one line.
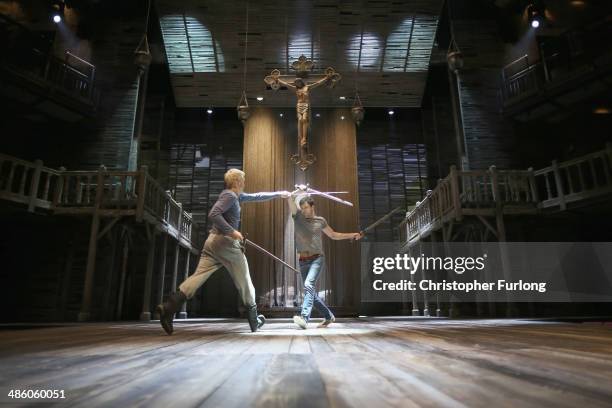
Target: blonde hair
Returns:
[[232, 176]]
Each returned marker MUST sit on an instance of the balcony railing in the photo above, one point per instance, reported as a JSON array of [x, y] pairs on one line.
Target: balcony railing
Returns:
[[110, 193]]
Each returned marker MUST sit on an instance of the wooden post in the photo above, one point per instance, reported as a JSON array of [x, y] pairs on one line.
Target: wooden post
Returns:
[[85, 312], [109, 276], [59, 187], [34, 185], [177, 254], [146, 302], [124, 265], [183, 313], [532, 184], [142, 178], [415, 304], [559, 185], [425, 297], [454, 179], [434, 253], [162, 272]]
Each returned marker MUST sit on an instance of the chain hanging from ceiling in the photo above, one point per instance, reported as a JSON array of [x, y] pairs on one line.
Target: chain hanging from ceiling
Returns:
[[243, 105]]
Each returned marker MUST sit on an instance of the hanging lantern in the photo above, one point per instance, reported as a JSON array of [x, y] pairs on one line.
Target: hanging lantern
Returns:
[[357, 111], [142, 55], [243, 109], [454, 57]]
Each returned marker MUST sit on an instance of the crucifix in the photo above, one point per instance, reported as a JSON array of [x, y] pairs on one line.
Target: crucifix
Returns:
[[302, 86]]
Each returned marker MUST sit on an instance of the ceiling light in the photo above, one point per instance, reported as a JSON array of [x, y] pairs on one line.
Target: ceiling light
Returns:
[[57, 18], [260, 98], [535, 14], [341, 117], [209, 111], [280, 114], [391, 112], [342, 98], [602, 110], [318, 115]]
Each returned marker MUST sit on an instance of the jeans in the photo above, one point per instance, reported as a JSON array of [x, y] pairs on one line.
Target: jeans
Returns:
[[311, 269]]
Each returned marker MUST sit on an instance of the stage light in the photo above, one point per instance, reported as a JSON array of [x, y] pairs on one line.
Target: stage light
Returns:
[[535, 14], [57, 11], [602, 110], [209, 111], [280, 114], [260, 98], [318, 115], [341, 117], [391, 112], [342, 98]]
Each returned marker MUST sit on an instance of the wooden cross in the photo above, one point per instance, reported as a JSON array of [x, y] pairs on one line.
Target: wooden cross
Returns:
[[302, 86]]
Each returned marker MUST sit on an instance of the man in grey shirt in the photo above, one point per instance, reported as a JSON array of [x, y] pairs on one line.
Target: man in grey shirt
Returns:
[[308, 227], [222, 249]]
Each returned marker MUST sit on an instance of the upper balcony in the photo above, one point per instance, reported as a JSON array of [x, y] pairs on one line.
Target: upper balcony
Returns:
[[30, 75], [573, 68]]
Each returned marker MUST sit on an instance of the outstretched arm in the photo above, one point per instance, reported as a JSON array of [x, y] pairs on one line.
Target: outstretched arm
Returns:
[[292, 207], [262, 196], [341, 235], [287, 84], [319, 82]]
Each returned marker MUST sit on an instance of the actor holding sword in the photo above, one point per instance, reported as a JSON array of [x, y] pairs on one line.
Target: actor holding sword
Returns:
[[308, 242], [222, 249]]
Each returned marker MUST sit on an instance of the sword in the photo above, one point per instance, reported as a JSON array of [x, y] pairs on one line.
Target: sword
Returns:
[[306, 189], [380, 221], [271, 255]]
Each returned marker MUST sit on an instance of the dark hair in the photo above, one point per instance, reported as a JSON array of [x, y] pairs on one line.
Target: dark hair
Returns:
[[299, 83], [307, 199]]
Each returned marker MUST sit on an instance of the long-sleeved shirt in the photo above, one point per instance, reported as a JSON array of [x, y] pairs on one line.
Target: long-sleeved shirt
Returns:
[[225, 214]]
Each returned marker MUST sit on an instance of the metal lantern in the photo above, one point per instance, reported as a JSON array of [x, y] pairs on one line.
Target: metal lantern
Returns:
[[142, 55], [243, 108], [455, 60], [357, 111]]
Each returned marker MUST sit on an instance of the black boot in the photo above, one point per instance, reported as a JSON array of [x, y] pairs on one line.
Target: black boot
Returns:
[[167, 310], [255, 320]]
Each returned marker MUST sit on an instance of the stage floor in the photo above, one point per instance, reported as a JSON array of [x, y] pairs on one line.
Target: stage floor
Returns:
[[372, 362]]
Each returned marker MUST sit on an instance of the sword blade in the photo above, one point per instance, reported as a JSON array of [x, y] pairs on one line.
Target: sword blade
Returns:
[[271, 255], [380, 220], [330, 197]]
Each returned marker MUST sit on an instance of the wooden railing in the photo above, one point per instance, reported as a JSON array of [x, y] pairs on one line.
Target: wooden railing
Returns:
[[27, 183], [478, 192], [575, 180], [83, 192]]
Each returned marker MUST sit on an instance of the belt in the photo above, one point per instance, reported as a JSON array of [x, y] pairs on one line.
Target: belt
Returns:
[[309, 258]]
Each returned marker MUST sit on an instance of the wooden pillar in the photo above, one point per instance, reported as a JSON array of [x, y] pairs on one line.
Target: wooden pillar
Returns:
[[183, 312], [34, 185], [124, 265], [162, 272], [434, 253], [85, 313], [177, 254], [146, 302], [109, 276]]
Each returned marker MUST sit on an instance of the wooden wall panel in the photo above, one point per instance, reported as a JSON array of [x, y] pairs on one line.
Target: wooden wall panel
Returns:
[[268, 143]]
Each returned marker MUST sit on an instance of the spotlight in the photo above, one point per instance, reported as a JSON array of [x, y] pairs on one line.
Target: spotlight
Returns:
[[535, 14], [209, 111], [391, 112], [280, 114], [260, 98], [318, 115], [342, 98], [602, 110], [341, 117], [57, 11]]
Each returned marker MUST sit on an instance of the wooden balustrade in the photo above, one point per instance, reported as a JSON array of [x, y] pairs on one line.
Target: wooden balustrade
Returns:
[[75, 192]]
